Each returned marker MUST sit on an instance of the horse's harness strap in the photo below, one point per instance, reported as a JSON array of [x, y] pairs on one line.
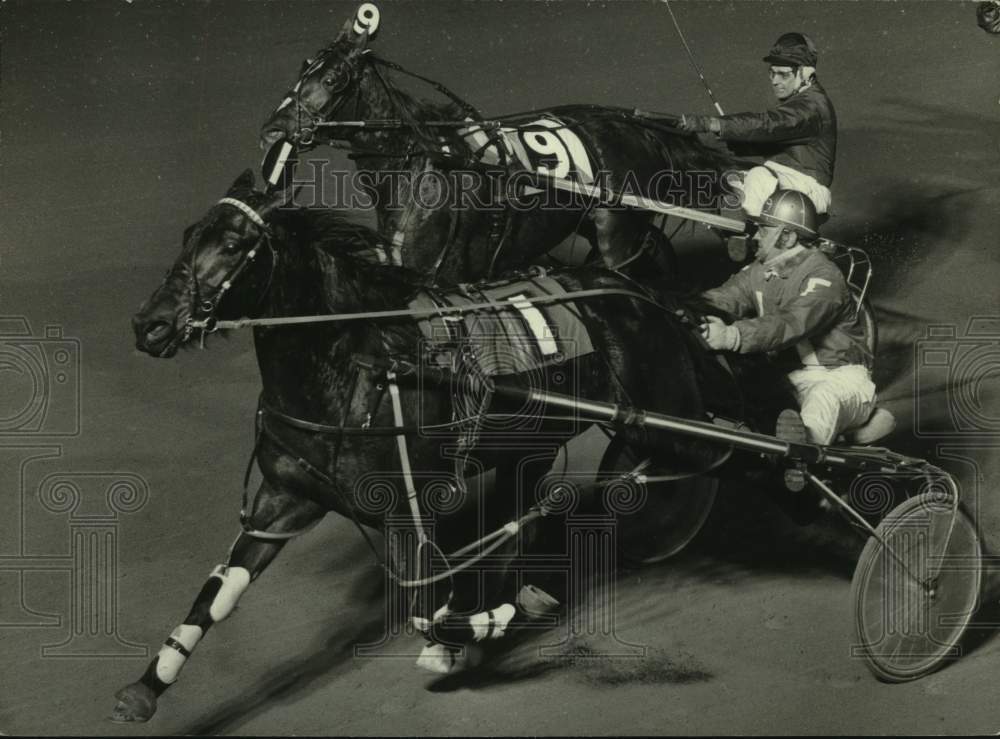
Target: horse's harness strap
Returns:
[[498, 537], [313, 472], [323, 428], [245, 515], [492, 625], [453, 218], [404, 458], [177, 646]]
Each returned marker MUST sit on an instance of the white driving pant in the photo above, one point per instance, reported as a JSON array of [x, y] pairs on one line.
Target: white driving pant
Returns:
[[760, 182], [833, 400]]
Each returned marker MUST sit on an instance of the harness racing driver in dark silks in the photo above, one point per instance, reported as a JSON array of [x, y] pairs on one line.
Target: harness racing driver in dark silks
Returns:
[[793, 303], [798, 138]]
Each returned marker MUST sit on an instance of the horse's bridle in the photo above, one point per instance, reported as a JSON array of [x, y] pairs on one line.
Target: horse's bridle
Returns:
[[305, 136], [203, 315]]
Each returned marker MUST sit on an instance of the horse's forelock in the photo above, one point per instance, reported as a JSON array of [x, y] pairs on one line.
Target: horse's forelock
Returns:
[[217, 212]]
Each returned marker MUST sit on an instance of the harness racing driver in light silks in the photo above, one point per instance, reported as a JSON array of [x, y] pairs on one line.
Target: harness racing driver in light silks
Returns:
[[794, 303], [798, 138]]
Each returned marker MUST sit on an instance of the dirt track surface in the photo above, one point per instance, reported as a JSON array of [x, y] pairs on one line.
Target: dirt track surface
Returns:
[[123, 122]]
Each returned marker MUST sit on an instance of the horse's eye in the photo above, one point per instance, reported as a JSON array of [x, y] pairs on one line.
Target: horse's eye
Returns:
[[230, 247], [328, 81]]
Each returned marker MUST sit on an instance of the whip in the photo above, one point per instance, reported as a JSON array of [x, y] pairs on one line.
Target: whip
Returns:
[[694, 62]]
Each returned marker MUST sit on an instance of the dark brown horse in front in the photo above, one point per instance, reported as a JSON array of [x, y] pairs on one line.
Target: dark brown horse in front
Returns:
[[332, 422], [448, 194]]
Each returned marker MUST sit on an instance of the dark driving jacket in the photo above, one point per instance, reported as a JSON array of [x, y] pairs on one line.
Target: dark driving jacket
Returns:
[[800, 133]]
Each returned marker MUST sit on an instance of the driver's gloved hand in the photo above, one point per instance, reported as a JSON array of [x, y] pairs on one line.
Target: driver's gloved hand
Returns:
[[719, 336], [699, 124]]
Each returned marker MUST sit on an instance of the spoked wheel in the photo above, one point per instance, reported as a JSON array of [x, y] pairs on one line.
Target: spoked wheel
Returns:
[[911, 609], [656, 519]]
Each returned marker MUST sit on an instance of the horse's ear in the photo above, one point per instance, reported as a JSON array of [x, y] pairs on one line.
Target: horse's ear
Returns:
[[345, 31], [359, 47], [278, 199], [243, 183]]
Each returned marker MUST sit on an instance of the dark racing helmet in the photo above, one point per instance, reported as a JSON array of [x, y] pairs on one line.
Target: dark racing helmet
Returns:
[[988, 16], [793, 50], [790, 209]]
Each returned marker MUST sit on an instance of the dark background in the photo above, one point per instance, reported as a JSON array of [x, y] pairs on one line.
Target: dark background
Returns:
[[122, 122]]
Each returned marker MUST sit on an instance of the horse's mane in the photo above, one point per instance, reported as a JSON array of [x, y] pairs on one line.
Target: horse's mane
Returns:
[[335, 235], [421, 108]]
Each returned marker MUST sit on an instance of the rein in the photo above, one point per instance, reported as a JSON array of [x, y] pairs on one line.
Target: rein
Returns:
[[469, 109], [211, 326]]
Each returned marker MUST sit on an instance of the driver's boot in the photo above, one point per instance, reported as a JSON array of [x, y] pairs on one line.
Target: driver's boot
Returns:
[[801, 503]]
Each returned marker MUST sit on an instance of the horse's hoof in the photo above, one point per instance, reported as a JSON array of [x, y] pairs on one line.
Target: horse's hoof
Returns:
[[446, 660], [535, 603], [136, 702]]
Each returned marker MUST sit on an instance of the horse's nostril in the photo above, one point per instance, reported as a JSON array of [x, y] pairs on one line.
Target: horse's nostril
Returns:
[[156, 331], [268, 137]]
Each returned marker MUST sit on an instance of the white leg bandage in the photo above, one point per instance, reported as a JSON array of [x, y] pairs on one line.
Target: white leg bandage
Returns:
[[235, 581], [491, 624], [423, 625], [175, 651]]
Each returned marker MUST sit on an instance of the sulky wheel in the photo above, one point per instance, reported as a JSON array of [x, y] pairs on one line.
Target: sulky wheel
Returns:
[[656, 520], [906, 625]]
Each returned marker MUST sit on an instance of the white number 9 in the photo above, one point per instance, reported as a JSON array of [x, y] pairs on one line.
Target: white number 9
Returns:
[[366, 19], [548, 144]]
